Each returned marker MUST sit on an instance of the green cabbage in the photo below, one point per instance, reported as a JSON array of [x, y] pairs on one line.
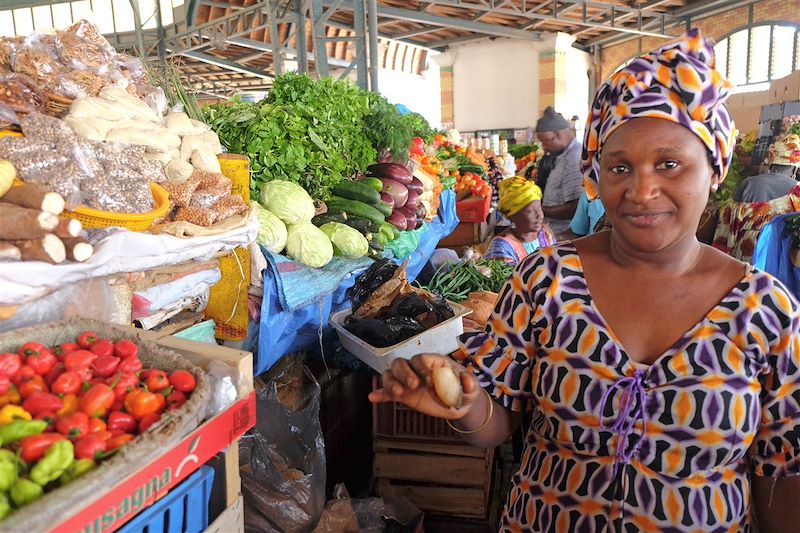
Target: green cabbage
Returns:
[[272, 232], [307, 244], [347, 241], [288, 201]]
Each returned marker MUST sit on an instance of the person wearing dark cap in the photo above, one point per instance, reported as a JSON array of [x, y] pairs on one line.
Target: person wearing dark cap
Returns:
[[565, 179]]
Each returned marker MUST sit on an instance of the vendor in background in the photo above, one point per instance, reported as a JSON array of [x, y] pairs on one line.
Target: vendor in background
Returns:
[[563, 187], [520, 202], [759, 199], [588, 218]]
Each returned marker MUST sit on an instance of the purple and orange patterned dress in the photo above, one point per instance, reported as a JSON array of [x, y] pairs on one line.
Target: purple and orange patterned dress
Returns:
[[617, 446]]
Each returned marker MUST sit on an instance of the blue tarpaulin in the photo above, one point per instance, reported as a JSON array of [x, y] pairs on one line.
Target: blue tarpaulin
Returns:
[[282, 331]]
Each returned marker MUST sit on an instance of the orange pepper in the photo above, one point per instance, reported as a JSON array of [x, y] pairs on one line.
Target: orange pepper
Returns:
[[11, 397], [97, 424], [140, 403], [70, 405]]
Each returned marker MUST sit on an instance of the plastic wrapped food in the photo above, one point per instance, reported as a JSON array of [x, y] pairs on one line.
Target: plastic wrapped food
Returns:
[[200, 217], [228, 206], [382, 333], [39, 62], [379, 273], [8, 48], [180, 192], [20, 95], [79, 53]]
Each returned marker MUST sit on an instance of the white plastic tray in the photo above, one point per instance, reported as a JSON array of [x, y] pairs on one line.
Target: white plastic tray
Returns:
[[442, 338]]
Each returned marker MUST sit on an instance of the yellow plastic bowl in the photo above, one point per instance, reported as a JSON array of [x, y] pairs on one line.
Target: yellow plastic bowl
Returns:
[[94, 219], [11, 133]]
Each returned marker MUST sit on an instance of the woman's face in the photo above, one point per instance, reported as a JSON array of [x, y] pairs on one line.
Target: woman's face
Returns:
[[530, 219], [655, 179]]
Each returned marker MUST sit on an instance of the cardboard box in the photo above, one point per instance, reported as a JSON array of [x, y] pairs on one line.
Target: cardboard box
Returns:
[[785, 89]]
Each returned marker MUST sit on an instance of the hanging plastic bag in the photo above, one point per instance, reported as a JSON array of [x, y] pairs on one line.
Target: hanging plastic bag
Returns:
[[283, 458]]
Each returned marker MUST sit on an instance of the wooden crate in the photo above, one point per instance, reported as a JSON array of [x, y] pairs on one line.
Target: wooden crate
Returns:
[[448, 479]]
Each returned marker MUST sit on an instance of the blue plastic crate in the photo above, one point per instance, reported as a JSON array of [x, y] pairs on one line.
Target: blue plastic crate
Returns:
[[183, 510]]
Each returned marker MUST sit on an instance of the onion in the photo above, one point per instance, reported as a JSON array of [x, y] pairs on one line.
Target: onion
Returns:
[[396, 190], [398, 220], [416, 186]]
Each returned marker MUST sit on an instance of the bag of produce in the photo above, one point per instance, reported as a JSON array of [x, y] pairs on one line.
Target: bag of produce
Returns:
[[379, 273]]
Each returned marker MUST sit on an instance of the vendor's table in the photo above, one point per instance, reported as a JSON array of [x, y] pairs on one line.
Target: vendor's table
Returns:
[[283, 331]]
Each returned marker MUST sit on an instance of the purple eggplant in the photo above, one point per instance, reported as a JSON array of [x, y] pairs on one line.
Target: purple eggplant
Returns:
[[396, 190], [421, 211], [416, 186], [398, 220], [388, 199], [411, 217], [412, 200], [393, 171]]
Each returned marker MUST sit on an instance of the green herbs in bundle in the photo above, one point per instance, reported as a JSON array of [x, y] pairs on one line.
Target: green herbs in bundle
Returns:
[[460, 280], [419, 127], [386, 128]]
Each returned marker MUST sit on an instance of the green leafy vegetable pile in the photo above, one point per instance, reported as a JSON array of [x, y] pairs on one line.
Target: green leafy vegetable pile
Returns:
[[387, 129], [459, 281], [306, 131]]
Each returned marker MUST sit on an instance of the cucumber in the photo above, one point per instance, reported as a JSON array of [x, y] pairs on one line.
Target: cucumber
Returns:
[[475, 169], [383, 207], [356, 190], [361, 224], [375, 245], [330, 216], [389, 230], [355, 208], [381, 238], [373, 183]]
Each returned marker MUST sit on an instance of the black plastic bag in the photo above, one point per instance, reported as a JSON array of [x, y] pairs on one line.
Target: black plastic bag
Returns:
[[282, 459], [428, 312], [383, 333], [379, 273]]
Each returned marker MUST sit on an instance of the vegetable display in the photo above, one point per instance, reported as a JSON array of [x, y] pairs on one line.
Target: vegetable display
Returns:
[[307, 244], [456, 282], [67, 408], [309, 132]]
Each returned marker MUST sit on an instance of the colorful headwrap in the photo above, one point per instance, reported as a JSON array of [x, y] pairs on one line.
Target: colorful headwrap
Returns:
[[677, 82], [785, 150], [515, 194]]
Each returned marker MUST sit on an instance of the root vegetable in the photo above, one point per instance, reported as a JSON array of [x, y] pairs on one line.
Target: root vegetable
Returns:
[[35, 196], [49, 249], [19, 223], [7, 175], [78, 250], [447, 386], [68, 228], [9, 252]]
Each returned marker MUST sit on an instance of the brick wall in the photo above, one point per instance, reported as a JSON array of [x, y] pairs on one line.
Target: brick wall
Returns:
[[446, 80], [716, 27], [547, 79]]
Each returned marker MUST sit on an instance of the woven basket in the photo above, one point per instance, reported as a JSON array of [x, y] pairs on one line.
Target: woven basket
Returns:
[[94, 218]]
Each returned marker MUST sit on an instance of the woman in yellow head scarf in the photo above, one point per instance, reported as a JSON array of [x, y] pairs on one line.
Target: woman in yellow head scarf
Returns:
[[521, 202]]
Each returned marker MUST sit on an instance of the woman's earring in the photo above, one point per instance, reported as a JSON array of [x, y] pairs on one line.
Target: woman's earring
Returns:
[[714, 187]]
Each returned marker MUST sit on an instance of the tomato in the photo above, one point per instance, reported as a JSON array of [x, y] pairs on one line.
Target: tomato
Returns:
[[41, 362], [86, 339], [182, 380], [65, 348], [175, 399], [31, 348], [73, 426], [67, 383], [121, 421], [124, 349]]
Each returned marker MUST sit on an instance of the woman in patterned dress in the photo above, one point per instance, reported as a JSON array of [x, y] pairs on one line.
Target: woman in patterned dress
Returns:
[[520, 202], [662, 376]]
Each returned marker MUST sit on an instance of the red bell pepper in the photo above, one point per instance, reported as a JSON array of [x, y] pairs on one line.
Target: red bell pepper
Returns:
[[90, 446], [97, 425], [40, 401], [79, 359], [10, 363], [121, 421], [147, 421], [86, 339], [41, 362], [157, 380], [124, 349], [105, 365], [5, 383], [49, 417], [63, 349], [34, 447], [123, 384], [130, 365], [118, 440], [31, 348], [53, 373], [67, 383], [175, 399], [97, 400], [32, 385], [102, 347], [182, 380], [141, 402], [73, 426]]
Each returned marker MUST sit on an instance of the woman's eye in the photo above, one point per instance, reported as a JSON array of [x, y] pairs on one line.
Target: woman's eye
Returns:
[[667, 165], [618, 169]]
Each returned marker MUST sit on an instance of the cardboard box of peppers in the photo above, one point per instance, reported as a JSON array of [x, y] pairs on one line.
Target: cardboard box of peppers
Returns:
[[78, 415]]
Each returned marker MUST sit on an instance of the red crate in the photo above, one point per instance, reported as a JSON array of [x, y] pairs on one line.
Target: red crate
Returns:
[[397, 421], [473, 209]]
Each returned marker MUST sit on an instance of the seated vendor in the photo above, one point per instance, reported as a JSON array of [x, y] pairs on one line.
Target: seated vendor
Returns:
[[521, 202]]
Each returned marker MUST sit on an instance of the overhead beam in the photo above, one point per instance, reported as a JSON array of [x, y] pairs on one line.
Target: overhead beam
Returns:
[[268, 48], [449, 22], [625, 16], [226, 64]]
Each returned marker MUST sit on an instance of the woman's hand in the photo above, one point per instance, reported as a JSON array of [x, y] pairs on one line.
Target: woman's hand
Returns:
[[410, 382]]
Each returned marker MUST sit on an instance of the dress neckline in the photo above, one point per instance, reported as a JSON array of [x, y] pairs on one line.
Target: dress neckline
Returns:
[[680, 341]]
